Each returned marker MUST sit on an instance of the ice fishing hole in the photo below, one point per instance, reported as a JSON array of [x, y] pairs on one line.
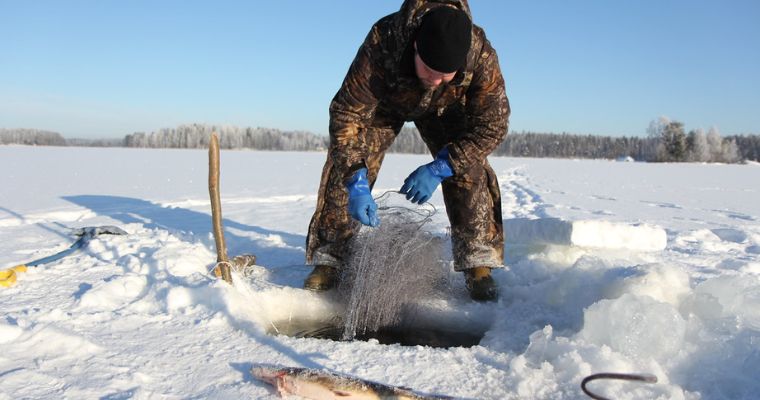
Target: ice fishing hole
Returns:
[[402, 334]]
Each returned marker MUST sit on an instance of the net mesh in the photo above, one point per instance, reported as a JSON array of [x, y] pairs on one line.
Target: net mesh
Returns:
[[392, 267]]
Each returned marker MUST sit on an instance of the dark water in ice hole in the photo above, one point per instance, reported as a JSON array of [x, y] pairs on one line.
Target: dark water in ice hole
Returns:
[[443, 337]]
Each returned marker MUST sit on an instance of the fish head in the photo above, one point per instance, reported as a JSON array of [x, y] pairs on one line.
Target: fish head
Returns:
[[267, 374], [275, 376]]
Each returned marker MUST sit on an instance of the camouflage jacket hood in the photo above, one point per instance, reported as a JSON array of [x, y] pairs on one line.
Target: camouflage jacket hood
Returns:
[[380, 89]]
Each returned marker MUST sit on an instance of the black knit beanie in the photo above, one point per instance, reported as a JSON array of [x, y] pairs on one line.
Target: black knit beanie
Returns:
[[443, 39]]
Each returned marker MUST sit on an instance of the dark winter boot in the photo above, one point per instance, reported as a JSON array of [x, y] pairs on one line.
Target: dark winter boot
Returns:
[[480, 284], [322, 278]]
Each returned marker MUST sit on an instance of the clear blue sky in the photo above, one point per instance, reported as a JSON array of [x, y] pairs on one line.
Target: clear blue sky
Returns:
[[109, 68]]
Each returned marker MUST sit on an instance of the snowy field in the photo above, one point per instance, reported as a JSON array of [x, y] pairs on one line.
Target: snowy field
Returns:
[[665, 280]]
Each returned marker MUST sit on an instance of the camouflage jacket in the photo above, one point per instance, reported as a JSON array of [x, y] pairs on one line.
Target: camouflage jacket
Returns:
[[381, 90]]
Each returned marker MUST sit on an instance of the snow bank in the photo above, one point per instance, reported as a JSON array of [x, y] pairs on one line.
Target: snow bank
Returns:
[[586, 233]]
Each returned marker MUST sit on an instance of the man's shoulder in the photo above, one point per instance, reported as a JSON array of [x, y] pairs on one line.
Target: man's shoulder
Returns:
[[478, 32], [385, 37], [480, 42], [385, 24]]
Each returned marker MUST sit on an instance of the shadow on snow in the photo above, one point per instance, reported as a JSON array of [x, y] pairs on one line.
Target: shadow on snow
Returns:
[[249, 239]]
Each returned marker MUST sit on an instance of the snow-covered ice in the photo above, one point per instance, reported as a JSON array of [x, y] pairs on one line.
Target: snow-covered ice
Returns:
[[648, 268]]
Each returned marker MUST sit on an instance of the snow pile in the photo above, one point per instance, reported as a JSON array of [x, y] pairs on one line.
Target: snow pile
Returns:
[[585, 233], [597, 315]]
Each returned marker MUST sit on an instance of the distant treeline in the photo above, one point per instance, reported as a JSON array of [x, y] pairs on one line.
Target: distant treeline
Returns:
[[666, 142], [749, 146], [32, 137], [196, 136]]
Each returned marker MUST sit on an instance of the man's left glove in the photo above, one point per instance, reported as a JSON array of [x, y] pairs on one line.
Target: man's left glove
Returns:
[[361, 205], [421, 184]]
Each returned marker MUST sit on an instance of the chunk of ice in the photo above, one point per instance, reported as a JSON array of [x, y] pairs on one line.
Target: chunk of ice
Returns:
[[637, 326], [587, 233]]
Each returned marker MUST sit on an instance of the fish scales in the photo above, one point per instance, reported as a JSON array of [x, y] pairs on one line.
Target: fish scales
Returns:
[[322, 385]]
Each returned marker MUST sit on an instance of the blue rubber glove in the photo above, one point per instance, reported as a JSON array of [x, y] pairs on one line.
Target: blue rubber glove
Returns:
[[421, 184], [361, 205]]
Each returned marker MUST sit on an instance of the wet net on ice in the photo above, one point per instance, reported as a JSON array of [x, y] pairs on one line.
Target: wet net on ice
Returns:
[[391, 267]]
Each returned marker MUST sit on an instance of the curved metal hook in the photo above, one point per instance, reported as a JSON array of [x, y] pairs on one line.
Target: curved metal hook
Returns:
[[608, 375]]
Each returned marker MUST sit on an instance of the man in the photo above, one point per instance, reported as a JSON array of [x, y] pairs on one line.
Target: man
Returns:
[[429, 64]]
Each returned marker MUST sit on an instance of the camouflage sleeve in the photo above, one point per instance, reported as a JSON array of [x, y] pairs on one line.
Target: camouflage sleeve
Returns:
[[487, 110], [353, 107]]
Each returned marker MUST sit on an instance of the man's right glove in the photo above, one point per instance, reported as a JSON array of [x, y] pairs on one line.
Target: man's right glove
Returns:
[[361, 205]]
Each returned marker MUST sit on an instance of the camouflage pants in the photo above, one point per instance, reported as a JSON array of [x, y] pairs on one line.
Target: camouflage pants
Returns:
[[473, 204]]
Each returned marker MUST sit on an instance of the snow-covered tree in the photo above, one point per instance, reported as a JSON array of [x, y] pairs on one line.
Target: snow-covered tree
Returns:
[[698, 149], [725, 151], [714, 143], [730, 151], [672, 139]]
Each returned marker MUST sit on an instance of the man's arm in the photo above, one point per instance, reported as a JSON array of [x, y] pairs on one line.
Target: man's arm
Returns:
[[353, 107], [487, 114]]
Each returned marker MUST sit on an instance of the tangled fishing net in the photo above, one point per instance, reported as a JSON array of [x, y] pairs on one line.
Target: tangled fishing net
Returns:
[[391, 267]]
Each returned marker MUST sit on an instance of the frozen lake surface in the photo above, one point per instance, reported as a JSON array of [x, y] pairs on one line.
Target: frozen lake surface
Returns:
[[659, 273]]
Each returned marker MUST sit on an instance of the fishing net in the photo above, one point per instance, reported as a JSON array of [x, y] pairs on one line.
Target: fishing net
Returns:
[[392, 267]]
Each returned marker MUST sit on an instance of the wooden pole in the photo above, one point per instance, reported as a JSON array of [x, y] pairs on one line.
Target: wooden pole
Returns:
[[222, 268]]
